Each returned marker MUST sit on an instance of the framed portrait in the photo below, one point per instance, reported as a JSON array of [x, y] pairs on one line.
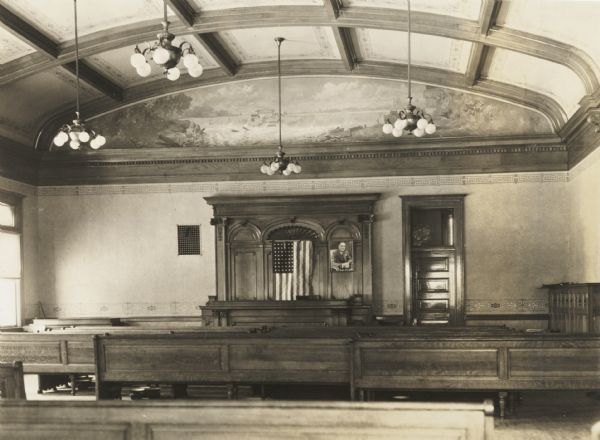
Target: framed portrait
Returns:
[[341, 256]]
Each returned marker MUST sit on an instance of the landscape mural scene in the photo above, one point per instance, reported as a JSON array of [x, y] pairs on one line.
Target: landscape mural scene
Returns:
[[316, 110]]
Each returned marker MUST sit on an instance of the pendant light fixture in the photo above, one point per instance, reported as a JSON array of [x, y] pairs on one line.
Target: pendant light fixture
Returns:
[[77, 133], [166, 55], [280, 164], [411, 119]]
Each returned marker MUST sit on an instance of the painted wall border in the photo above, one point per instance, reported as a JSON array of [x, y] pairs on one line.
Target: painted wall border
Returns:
[[340, 185]]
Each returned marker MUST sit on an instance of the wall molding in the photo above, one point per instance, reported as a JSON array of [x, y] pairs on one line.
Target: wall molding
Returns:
[[112, 310], [340, 185], [505, 306]]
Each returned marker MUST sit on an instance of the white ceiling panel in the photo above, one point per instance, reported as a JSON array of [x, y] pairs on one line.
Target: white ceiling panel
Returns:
[[116, 65], [12, 47], [543, 76], [208, 5], [427, 50], [33, 96], [55, 17], [574, 22], [254, 45], [468, 9]]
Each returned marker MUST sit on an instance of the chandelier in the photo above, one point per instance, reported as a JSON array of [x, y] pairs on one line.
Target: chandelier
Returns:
[[280, 164], [410, 119], [77, 133], [167, 55]]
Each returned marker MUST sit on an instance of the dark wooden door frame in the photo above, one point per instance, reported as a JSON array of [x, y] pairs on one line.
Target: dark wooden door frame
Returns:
[[455, 202]]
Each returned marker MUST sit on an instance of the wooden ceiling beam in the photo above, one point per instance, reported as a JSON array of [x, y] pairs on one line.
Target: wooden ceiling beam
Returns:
[[345, 44], [184, 11], [96, 80], [351, 17], [28, 33], [333, 7], [477, 59], [214, 45], [489, 14]]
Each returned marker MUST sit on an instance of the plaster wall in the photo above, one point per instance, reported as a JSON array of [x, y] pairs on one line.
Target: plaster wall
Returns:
[[584, 212], [112, 250]]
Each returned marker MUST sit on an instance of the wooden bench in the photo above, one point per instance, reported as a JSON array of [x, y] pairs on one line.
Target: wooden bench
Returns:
[[12, 385], [181, 420]]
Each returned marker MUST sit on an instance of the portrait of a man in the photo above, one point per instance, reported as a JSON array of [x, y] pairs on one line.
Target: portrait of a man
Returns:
[[341, 256]]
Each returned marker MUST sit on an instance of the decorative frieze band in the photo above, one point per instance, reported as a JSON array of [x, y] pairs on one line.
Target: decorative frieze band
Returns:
[[339, 185], [506, 306], [112, 310]]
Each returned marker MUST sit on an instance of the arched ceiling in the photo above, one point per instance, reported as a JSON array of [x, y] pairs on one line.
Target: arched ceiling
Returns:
[[538, 55]]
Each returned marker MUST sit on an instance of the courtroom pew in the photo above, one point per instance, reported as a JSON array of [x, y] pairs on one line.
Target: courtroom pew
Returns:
[[12, 385], [177, 420]]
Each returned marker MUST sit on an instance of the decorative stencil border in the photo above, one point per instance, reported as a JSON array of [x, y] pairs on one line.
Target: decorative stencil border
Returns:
[[307, 185], [503, 306], [112, 310]]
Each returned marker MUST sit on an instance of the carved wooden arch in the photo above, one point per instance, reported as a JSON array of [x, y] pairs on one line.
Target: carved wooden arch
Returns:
[[240, 227], [349, 226], [307, 230]]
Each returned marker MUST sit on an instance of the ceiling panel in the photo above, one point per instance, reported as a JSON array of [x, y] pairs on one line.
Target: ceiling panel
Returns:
[[254, 45], [468, 9], [116, 65], [571, 21], [55, 17], [552, 79], [33, 96], [207, 5], [427, 50], [12, 47]]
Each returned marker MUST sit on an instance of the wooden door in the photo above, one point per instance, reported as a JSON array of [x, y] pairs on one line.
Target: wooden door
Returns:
[[433, 260], [434, 286]]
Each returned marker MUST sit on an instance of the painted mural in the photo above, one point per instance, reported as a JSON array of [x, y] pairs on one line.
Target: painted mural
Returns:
[[317, 110]]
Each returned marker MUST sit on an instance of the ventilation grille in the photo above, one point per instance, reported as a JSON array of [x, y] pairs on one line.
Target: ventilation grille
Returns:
[[188, 239]]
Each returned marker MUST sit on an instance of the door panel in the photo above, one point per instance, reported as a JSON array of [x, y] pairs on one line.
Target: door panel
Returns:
[[433, 289]]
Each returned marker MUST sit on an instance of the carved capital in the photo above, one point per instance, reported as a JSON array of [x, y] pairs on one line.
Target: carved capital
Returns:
[[366, 218]]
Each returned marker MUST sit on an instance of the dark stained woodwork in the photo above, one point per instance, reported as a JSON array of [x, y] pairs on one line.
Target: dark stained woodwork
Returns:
[[345, 44], [18, 162], [30, 34], [434, 279], [278, 313], [96, 80], [574, 307], [243, 243], [251, 420], [12, 385], [477, 59], [218, 51]]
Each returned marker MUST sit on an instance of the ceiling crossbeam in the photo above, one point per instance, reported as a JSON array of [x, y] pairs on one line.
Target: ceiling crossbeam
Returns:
[[23, 30], [96, 80], [477, 60], [213, 44], [184, 11], [345, 44], [489, 14]]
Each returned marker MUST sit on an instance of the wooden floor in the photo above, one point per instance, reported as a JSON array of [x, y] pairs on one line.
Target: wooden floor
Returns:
[[541, 415]]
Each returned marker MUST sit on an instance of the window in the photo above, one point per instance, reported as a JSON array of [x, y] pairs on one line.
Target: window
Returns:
[[188, 239], [10, 260]]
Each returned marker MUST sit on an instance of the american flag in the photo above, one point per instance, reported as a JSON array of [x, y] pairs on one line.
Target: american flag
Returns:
[[292, 266]]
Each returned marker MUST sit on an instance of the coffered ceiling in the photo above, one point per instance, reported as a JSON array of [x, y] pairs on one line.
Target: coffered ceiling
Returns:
[[539, 56]]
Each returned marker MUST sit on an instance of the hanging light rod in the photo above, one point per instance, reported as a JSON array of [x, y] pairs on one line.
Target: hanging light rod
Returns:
[[166, 55], [77, 133], [411, 119], [280, 164]]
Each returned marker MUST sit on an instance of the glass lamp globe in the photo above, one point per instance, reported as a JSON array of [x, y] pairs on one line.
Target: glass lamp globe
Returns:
[[74, 144], [397, 132], [418, 132], [388, 128], [274, 166], [190, 60], [144, 70], [430, 129], [400, 123], [58, 141], [137, 60], [287, 171], [195, 71], [270, 171], [264, 168], [73, 135], [160, 55], [297, 168], [101, 140], [173, 74], [84, 136], [422, 123]]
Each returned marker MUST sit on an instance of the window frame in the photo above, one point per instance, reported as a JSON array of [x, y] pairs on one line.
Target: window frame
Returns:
[[16, 201]]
